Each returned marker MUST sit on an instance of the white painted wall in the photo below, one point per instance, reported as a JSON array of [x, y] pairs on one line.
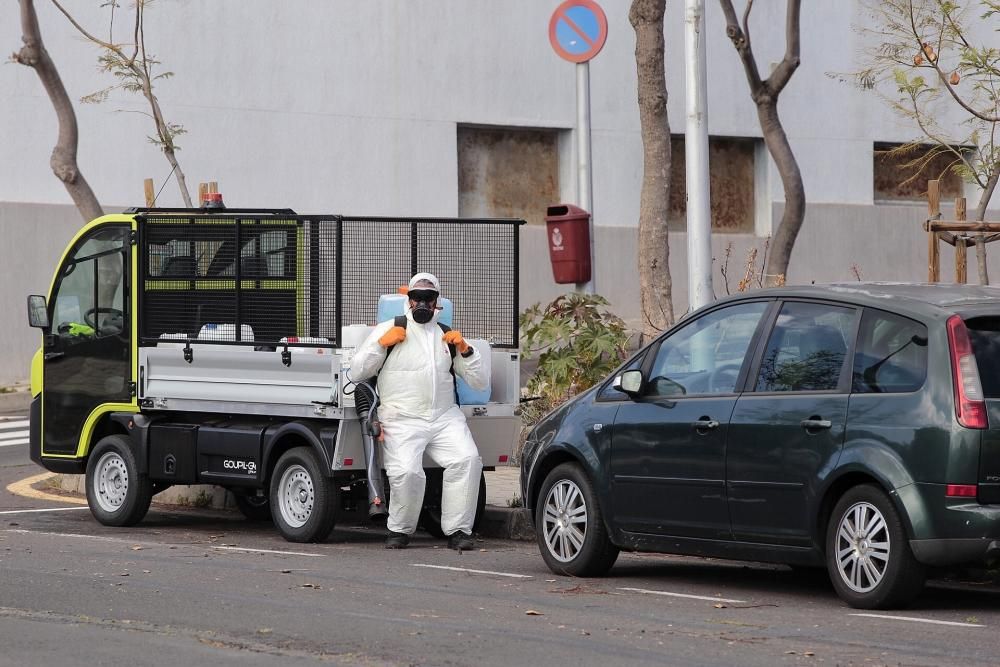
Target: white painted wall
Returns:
[[346, 106]]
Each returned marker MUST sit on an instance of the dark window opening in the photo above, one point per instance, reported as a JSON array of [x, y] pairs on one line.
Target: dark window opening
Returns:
[[731, 182], [901, 172], [507, 173]]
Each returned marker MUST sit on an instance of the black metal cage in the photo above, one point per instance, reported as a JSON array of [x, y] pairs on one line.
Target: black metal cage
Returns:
[[272, 278]]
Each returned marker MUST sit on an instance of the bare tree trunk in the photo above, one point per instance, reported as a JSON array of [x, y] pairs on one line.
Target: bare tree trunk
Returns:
[[780, 252], [140, 70], [764, 93], [655, 285], [63, 160], [979, 216]]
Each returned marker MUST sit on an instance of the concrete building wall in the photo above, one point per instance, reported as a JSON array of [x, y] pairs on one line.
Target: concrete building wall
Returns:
[[354, 107]]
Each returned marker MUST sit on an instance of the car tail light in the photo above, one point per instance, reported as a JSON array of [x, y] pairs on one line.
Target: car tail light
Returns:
[[960, 490], [503, 458], [970, 406]]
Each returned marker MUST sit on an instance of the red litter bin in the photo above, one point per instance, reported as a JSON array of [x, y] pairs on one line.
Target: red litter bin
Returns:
[[568, 229]]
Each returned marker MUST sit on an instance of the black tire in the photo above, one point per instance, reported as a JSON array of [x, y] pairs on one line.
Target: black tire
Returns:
[[117, 492], [252, 506], [871, 567], [303, 500], [591, 554], [430, 513]]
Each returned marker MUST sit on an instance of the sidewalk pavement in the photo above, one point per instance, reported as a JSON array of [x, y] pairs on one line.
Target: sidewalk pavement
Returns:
[[15, 400]]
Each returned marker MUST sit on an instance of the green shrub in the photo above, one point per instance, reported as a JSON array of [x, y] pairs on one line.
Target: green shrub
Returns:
[[577, 341]]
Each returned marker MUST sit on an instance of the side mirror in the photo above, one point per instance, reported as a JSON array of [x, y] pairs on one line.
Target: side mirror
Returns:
[[629, 382], [38, 312]]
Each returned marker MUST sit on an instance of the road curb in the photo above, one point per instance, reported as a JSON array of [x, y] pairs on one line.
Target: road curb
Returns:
[[508, 523]]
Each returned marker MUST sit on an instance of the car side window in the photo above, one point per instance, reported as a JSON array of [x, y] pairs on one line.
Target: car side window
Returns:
[[891, 354], [806, 349], [705, 356]]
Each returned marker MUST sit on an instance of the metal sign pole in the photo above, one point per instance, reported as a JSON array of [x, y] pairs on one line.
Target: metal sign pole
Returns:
[[585, 182], [577, 32]]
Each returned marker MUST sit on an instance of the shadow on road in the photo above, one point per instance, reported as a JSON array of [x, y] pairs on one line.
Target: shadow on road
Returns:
[[762, 579]]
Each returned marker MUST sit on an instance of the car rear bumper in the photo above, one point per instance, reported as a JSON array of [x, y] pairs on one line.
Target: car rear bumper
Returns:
[[951, 531], [955, 551]]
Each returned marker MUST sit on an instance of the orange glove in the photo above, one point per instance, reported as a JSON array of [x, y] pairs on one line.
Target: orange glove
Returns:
[[454, 337], [392, 337]]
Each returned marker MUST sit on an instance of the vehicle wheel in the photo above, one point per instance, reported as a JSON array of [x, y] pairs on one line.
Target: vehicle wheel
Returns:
[[252, 506], [570, 527], [118, 494], [430, 513], [868, 554], [303, 500]]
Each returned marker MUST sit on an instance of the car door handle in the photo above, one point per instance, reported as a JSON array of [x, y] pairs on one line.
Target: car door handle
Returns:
[[705, 424], [53, 355], [810, 424]]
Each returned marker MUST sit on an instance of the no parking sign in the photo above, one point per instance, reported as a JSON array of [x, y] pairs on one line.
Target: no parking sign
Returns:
[[578, 30]]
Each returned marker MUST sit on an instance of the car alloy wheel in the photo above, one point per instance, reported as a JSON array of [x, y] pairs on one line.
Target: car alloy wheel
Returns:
[[564, 520], [868, 553], [863, 547]]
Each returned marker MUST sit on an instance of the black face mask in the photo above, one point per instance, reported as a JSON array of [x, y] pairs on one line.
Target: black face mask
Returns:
[[422, 313], [423, 302]]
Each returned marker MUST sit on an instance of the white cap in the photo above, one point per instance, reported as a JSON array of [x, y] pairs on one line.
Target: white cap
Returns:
[[425, 277]]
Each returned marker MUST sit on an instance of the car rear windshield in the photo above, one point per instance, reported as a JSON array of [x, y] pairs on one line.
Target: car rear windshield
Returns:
[[985, 335]]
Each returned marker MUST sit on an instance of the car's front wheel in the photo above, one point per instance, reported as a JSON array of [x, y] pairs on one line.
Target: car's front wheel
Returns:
[[117, 492], [868, 554], [570, 527]]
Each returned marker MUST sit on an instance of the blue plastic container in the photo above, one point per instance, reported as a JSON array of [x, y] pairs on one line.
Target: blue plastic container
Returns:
[[391, 305]]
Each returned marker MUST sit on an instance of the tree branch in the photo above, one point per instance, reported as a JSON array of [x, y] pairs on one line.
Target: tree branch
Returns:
[[83, 31], [941, 75], [63, 161], [742, 45], [783, 72]]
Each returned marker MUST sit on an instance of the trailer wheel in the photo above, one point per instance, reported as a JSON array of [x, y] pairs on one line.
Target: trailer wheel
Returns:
[[430, 513], [118, 494], [303, 499]]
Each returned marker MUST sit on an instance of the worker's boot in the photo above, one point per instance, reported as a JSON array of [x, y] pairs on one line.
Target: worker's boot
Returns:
[[460, 541], [397, 540]]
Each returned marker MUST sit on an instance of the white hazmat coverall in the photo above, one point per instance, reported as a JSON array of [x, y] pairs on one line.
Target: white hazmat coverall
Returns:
[[418, 413]]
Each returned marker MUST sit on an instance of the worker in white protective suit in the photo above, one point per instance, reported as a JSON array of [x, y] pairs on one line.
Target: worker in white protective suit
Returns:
[[419, 414]]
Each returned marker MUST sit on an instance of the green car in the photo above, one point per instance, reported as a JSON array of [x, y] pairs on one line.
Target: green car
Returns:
[[854, 426]]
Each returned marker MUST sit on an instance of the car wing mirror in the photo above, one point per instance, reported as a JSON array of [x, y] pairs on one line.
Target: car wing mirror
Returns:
[[38, 313], [629, 382]]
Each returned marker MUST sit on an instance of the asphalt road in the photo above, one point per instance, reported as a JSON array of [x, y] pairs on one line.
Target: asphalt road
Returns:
[[197, 587]]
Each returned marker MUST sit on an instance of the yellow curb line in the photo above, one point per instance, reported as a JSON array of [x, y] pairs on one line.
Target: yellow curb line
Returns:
[[23, 489]]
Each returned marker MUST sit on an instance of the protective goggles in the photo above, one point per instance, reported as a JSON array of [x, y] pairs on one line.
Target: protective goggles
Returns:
[[422, 295]]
